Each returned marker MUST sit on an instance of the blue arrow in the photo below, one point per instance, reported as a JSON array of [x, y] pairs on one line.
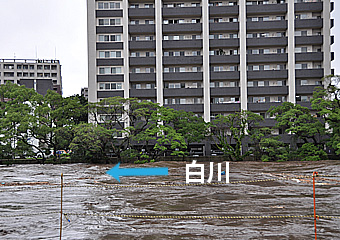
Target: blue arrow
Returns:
[[116, 172]]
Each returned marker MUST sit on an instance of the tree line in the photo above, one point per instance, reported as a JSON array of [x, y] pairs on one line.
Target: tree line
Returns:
[[131, 130]]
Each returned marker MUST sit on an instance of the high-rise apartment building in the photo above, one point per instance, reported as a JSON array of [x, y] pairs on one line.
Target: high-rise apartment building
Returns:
[[41, 75], [209, 57]]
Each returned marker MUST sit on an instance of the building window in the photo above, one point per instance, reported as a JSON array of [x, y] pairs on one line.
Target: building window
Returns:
[[149, 70], [109, 38], [110, 70], [9, 74], [110, 54], [10, 66], [301, 66], [108, 5], [110, 86], [218, 68], [109, 22], [256, 68], [304, 82], [150, 54], [134, 22], [149, 22], [32, 67], [259, 99], [305, 99], [196, 69]]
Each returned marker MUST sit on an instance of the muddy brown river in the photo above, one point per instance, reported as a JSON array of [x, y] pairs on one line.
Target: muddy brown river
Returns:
[[29, 189]]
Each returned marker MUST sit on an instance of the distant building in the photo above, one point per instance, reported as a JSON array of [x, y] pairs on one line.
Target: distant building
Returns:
[[41, 75], [85, 93]]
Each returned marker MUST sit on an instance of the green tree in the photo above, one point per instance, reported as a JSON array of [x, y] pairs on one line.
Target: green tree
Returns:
[[229, 131], [121, 116], [90, 141], [161, 134], [193, 128], [54, 118], [327, 102], [15, 117], [298, 121]]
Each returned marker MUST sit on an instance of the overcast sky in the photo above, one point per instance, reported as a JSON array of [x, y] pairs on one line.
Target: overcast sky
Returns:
[[49, 29]]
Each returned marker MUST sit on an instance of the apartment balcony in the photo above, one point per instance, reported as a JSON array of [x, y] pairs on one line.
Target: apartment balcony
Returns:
[[309, 7], [267, 25], [142, 29], [182, 60], [225, 107], [267, 42], [109, 46], [224, 27], [225, 75], [185, 76], [309, 40], [109, 13], [182, 44], [183, 92], [109, 29], [273, 90], [142, 45], [309, 56], [222, 10], [267, 58], [110, 78], [269, 74], [231, 42], [142, 77], [182, 11], [141, 12], [262, 107], [142, 93], [142, 61], [225, 91], [223, 59], [110, 62], [266, 8], [196, 108], [309, 73], [107, 94], [306, 89], [182, 28], [309, 23]]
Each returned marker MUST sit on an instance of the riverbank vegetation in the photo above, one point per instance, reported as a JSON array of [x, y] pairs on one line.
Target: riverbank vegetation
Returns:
[[141, 131]]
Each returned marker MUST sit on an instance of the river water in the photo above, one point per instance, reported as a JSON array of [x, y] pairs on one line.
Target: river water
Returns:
[[279, 197]]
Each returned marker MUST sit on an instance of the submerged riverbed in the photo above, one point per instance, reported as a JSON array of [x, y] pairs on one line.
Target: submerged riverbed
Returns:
[[279, 197]]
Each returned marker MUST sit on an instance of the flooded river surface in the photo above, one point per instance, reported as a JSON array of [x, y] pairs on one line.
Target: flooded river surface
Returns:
[[278, 197]]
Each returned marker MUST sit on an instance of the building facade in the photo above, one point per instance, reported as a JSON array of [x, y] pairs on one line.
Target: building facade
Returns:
[[41, 75], [85, 93], [209, 57]]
